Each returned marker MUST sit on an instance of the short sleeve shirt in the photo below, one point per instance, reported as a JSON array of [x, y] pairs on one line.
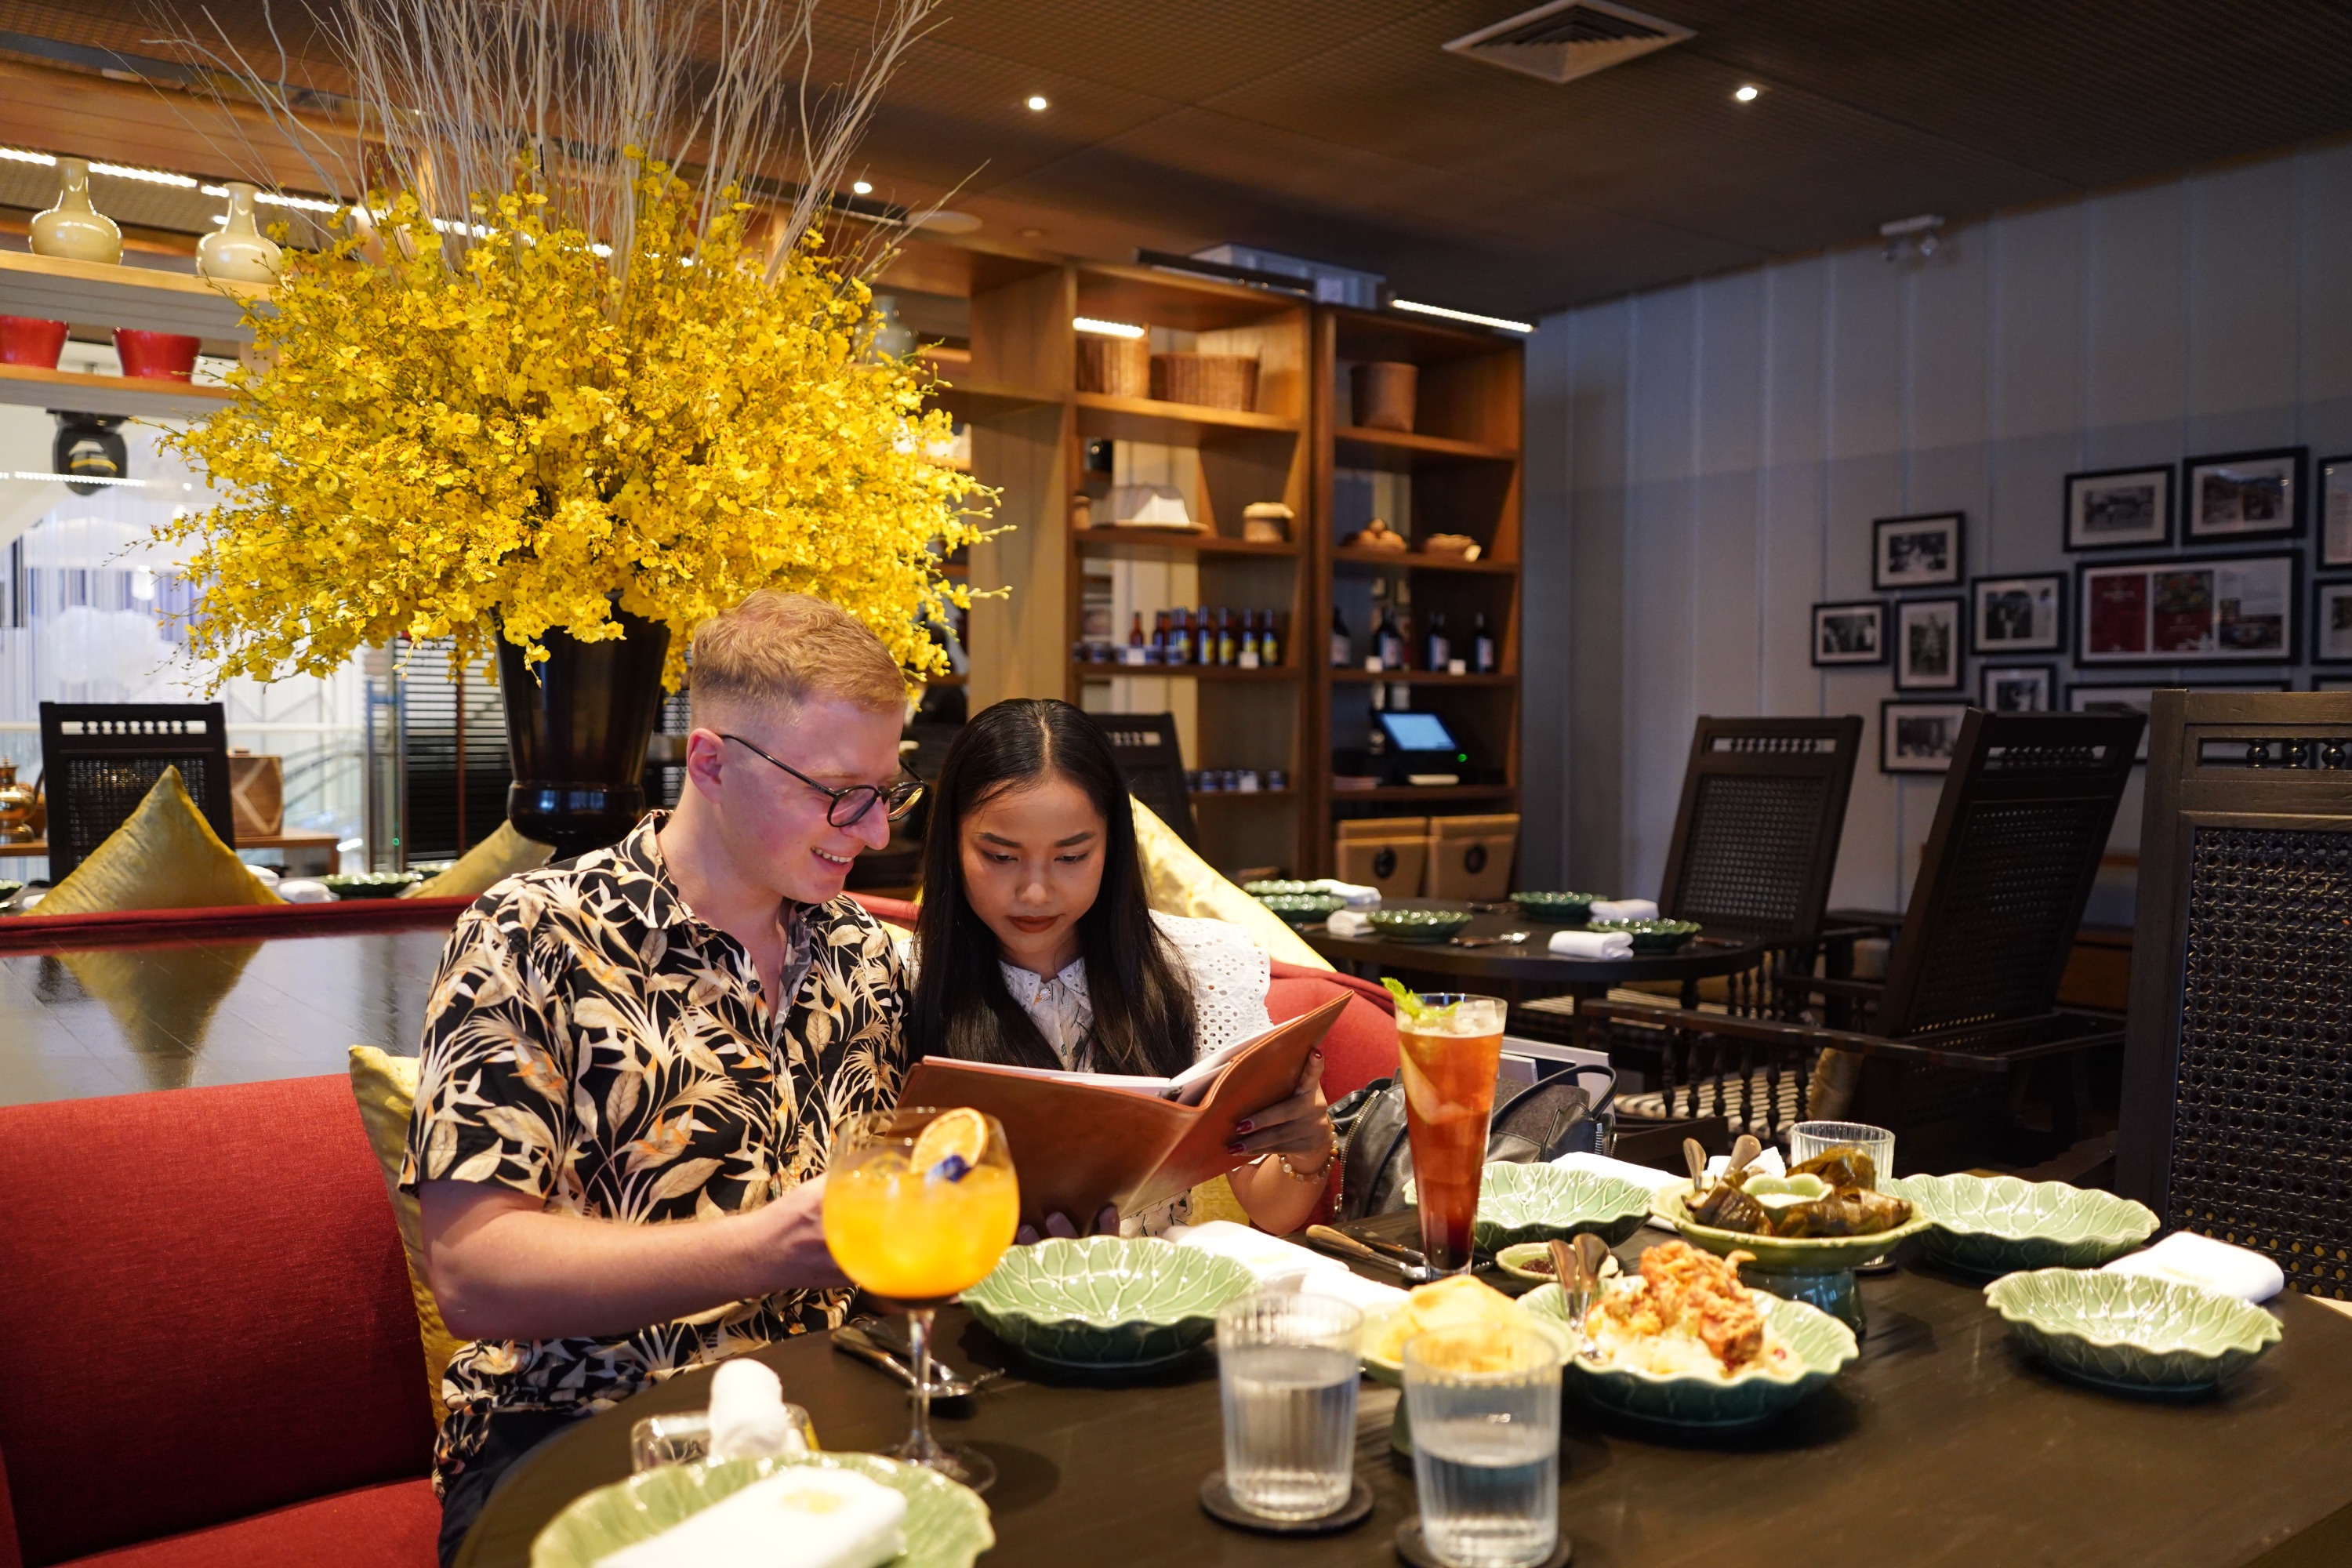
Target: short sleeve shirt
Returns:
[[592, 1043]]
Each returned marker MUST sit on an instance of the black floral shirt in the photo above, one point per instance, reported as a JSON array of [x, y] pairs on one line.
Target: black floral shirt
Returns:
[[593, 1044]]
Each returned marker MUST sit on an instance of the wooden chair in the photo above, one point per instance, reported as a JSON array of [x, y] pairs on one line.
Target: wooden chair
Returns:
[[2237, 1107], [99, 760], [1153, 761], [1969, 994]]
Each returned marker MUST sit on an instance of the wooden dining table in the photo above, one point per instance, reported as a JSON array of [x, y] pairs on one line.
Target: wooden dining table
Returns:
[[1941, 1446]]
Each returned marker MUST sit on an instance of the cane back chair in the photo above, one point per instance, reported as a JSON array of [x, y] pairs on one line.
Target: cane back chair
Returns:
[[99, 760], [1152, 759], [1971, 985], [2237, 1110]]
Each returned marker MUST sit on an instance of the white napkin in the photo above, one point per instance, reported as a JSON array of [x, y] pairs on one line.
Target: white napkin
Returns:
[[1592, 943], [303, 890], [1348, 922], [1359, 897], [1624, 910], [747, 1411], [806, 1516], [1279, 1264], [1768, 1163], [2188, 1258]]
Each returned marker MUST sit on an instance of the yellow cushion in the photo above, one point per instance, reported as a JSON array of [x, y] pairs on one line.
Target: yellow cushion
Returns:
[[1179, 882], [483, 866], [165, 855], [385, 1087]]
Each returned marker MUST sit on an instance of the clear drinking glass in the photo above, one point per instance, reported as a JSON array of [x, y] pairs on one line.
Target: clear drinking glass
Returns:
[[1484, 1402], [1807, 1139], [1287, 1367], [685, 1436], [1448, 1052]]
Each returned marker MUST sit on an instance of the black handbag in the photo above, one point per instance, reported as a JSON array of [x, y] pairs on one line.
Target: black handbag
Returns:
[[1532, 1122]]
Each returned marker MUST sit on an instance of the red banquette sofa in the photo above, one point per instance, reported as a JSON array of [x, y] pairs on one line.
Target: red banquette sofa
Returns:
[[214, 1357]]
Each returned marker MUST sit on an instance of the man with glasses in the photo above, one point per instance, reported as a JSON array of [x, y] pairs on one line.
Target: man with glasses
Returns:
[[658, 1032]]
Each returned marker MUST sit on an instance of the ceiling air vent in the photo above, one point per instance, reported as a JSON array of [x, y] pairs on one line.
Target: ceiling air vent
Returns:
[[1569, 38]]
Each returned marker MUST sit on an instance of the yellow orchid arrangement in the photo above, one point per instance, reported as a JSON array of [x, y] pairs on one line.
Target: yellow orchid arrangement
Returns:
[[521, 436]]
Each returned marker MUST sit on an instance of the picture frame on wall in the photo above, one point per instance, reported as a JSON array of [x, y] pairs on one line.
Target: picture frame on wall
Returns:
[[1928, 647], [2018, 615], [2119, 508], [2331, 623], [2242, 495], [1921, 552], [1919, 737], [2332, 483], [2017, 688], [2090, 697], [2224, 610], [1852, 633]]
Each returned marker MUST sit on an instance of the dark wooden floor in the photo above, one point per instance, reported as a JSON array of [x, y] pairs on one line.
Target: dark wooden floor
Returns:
[[117, 1019]]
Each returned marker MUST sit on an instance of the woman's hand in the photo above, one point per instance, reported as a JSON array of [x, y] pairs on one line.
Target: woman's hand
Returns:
[[1300, 1125], [1106, 1224]]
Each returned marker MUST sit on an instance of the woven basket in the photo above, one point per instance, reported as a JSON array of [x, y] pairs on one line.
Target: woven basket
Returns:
[[1384, 393], [1119, 366], [1211, 380]]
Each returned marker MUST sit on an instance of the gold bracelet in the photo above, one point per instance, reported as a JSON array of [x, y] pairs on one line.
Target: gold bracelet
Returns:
[[1330, 1152]]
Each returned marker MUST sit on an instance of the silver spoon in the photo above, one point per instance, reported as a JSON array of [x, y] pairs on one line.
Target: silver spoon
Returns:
[[853, 1340]]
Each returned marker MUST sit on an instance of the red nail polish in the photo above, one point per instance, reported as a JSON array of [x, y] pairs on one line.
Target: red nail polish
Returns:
[[1235, 1149], [1244, 1126]]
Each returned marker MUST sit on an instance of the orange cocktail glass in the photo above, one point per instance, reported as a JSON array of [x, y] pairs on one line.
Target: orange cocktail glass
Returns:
[[1448, 1052]]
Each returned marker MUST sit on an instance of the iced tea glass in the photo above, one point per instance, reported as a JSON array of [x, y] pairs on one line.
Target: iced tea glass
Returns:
[[1449, 1050]]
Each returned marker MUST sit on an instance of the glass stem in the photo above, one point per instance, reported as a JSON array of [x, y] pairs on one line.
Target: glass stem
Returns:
[[919, 1336]]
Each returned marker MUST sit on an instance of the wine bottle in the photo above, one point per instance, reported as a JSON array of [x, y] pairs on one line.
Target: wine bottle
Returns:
[[1343, 642], [1205, 646], [1441, 650], [1137, 646], [1247, 657], [1269, 645], [1482, 647], [1392, 641], [1228, 646], [1179, 636]]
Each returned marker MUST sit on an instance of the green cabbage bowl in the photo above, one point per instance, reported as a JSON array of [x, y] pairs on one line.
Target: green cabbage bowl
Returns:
[[2132, 1332], [1107, 1301], [1779, 1254], [1544, 1202], [1819, 1347], [1998, 1225]]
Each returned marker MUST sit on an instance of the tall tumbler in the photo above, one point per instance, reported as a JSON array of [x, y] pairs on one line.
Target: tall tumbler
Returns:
[[1448, 1052]]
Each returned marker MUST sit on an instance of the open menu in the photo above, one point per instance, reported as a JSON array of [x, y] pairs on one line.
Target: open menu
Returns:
[[1080, 1140]]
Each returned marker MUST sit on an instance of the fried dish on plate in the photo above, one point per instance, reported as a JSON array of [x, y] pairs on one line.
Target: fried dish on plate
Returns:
[[1832, 1193], [1685, 1315]]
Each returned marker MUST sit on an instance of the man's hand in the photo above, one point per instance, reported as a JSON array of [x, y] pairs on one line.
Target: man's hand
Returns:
[[796, 1221]]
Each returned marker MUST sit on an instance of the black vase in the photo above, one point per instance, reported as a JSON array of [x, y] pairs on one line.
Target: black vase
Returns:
[[576, 735]]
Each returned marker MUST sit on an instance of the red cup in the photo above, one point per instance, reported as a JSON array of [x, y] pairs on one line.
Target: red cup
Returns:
[[28, 340], [156, 356]]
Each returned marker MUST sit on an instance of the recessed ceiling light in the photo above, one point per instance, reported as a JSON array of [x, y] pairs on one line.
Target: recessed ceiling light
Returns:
[[1748, 92], [863, 187], [1505, 323], [1105, 328], [1036, 100]]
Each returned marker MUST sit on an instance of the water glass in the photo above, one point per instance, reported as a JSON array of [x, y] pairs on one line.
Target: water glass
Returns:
[[1808, 1139], [684, 1436], [1484, 1402], [1287, 1369]]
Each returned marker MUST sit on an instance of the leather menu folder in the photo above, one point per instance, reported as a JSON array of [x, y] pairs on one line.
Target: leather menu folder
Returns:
[[1081, 1141]]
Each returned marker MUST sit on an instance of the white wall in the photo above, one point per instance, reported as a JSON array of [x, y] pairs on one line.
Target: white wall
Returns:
[[1705, 462]]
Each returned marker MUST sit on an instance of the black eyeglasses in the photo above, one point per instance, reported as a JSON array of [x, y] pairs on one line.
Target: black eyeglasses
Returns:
[[849, 806]]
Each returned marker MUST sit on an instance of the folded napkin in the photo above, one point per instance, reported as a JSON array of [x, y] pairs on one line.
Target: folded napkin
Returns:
[[303, 890], [2187, 1258], [747, 1419], [1359, 897], [805, 1516], [1348, 922], [1592, 943], [1624, 910], [1279, 1264]]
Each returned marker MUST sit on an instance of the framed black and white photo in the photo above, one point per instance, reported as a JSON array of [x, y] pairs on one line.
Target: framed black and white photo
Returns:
[[2018, 615], [2095, 697], [2234, 610], [2119, 508], [2242, 495], [2017, 688], [1927, 645], [1915, 551], [1852, 633], [2333, 482], [2331, 623], [1919, 737]]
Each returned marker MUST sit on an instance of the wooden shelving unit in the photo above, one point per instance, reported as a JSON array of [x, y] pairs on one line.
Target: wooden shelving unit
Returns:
[[110, 294], [33, 387]]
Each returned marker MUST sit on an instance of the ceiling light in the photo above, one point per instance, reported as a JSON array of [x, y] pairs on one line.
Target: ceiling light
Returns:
[[1036, 100], [18, 155], [152, 176], [1419, 309], [272, 199], [863, 187], [1746, 93], [74, 478], [1105, 328]]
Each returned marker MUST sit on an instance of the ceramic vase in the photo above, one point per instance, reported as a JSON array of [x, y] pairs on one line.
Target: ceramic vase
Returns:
[[239, 250], [576, 730], [73, 228]]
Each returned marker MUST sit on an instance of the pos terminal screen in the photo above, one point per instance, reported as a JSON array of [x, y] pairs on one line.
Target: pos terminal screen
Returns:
[[1417, 732]]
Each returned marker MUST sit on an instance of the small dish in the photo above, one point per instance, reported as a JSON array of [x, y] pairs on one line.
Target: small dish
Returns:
[[945, 1524], [2132, 1332], [1819, 1343], [370, 884], [1559, 908], [1780, 1254], [1653, 936], [1378, 1321], [1107, 1301], [1998, 1225], [1261, 888], [1520, 1204], [1417, 925], [1303, 908]]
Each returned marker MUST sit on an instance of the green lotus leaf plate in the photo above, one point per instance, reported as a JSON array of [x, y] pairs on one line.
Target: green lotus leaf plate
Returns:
[[1303, 908], [1417, 925], [1998, 1225], [1560, 909], [1653, 936], [1261, 888], [1107, 1301], [1819, 1347], [1540, 1202], [946, 1525], [1780, 1254], [2130, 1331], [370, 884]]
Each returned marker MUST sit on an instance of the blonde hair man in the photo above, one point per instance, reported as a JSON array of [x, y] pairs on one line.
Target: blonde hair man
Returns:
[[664, 1031]]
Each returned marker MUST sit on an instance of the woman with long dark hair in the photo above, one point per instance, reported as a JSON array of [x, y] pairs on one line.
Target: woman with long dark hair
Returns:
[[1035, 946]]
